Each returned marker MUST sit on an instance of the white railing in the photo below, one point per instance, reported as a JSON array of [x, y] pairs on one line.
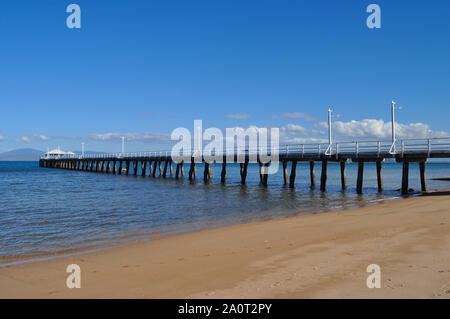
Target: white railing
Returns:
[[425, 146]]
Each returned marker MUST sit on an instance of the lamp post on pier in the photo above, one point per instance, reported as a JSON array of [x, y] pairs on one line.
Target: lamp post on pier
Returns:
[[392, 150], [330, 140]]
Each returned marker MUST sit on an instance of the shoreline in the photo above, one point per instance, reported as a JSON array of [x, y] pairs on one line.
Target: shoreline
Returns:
[[135, 239], [310, 256]]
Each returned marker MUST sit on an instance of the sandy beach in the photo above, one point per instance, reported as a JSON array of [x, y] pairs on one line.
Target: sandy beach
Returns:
[[315, 256]]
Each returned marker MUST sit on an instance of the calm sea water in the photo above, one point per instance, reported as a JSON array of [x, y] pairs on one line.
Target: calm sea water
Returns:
[[43, 211]]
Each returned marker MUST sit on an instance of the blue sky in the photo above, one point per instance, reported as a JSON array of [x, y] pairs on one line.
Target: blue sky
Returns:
[[144, 68]]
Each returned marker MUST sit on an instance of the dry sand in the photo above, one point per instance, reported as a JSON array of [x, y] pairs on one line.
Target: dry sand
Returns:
[[316, 256]]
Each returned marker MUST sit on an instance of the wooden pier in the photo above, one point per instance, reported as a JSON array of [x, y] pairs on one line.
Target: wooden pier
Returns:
[[162, 164]]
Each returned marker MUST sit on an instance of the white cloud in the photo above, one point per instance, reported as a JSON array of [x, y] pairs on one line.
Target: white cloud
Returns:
[[1, 138], [40, 138], [36, 138], [117, 137], [238, 116], [303, 140], [371, 128], [294, 115], [25, 139], [294, 129], [239, 129]]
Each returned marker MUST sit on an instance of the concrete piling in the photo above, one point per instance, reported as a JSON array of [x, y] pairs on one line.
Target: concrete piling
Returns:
[[343, 176], [223, 173], [265, 176], [164, 174], [359, 182], [312, 174], [177, 171], [153, 168], [379, 177], [120, 168], [293, 173], [405, 177], [192, 171], [143, 168], [285, 173], [423, 177], [160, 168], [182, 169], [323, 176], [243, 167], [135, 168], [207, 172]]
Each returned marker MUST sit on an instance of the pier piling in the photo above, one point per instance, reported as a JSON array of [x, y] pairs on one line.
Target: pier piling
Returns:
[[423, 177], [243, 167], [260, 172], [323, 176], [285, 173], [405, 177], [165, 169], [177, 171], [293, 173], [182, 169], [143, 168], [120, 168], [223, 173], [265, 175], [192, 171], [207, 172], [359, 182], [153, 168], [135, 167], [312, 174], [379, 177], [343, 176]]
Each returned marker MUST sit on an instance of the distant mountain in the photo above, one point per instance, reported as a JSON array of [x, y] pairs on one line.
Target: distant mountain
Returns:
[[23, 154]]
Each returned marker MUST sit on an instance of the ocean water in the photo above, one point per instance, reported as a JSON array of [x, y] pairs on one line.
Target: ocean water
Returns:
[[45, 211]]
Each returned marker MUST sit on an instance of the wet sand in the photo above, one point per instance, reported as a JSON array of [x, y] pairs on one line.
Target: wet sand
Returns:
[[314, 256]]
